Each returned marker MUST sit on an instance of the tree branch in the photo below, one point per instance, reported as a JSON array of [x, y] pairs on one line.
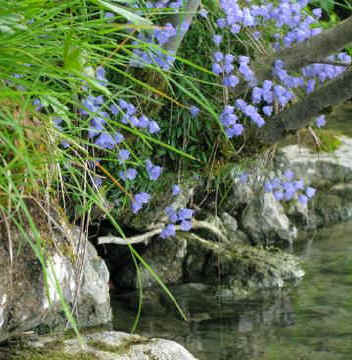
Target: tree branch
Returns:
[[146, 236], [298, 115], [313, 50]]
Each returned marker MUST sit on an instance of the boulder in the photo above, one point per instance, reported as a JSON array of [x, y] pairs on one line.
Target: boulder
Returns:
[[31, 298], [265, 221], [109, 345]]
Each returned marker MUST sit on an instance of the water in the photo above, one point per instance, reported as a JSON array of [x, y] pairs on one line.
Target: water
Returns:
[[312, 321]]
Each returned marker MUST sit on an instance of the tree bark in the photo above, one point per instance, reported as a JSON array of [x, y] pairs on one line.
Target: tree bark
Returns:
[[299, 115], [302, 54]]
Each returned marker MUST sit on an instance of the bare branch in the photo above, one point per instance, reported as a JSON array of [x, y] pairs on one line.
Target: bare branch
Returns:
[[146, 236]]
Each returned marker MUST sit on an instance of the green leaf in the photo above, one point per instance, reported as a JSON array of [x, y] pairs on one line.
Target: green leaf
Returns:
[[130, 16]]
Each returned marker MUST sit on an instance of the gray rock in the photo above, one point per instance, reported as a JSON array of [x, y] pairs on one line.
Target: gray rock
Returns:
[[28, 301], [331, 174], [241, 270], [265, 221], [316, 168], [164, 256], [113, 345]]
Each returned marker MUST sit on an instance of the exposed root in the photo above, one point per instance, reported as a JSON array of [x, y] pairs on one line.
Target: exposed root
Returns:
[[146, 236]]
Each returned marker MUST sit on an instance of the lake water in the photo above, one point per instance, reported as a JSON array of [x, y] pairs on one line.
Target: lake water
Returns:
[[311, 321]]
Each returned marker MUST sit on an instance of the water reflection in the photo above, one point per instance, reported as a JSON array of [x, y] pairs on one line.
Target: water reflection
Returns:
[[312, 321]]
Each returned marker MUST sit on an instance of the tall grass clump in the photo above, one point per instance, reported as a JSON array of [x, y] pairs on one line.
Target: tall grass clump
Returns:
[[60, 116]]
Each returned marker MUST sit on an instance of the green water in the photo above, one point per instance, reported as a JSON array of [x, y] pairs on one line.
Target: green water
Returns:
[[312, 321]]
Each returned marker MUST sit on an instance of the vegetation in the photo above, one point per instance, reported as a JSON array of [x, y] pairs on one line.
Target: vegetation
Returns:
[[94, 107]]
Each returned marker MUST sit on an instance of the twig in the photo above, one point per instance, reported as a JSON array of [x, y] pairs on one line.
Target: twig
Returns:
[[146, 236]]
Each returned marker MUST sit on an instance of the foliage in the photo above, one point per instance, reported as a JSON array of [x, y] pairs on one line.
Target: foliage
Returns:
[[94, 106]]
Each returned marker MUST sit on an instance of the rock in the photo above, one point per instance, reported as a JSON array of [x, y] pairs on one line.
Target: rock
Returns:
[[231, 229], [164, 256], [330, 173], [317, 168], [27, 299], [241, 270], [265, 221], [112, 345]]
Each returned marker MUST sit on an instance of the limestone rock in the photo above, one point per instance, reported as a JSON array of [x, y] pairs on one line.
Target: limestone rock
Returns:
[[265, 221], [113, 345], [28, 299]]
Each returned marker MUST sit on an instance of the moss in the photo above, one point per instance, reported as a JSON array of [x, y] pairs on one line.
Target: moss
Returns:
[[120, 349], [329, 140], [47, 353]]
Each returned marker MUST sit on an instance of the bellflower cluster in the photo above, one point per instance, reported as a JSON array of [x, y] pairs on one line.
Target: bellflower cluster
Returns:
[[94, 106], [139, 200], [250, 111], [289, 188], [99, 113], [324, 72], [320, 121], [224, 65], [286, 15], [153, 171], [229, 120], [159, 37], [183, 217], [171, 4]]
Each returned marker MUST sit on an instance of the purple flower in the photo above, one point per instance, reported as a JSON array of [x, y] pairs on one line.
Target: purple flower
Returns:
[[175, 190], [217, 69], [171, 213], [100, 74], [194, 111], [142, 197], [267, 110], [298, 184], [186, 225], [169, 230], [218, 56], [143, 122], [129, 174], [303, 199], [217, 39], [105, 141], [310, 192], [97, 181], [153, 127], [221, 23], [320, 121], [278, 195], [123, 155], [317, 13], [118, 138], [185, 214], [289, 174], [268, 187], [231, 81], [244, 178], [37, 103], [203, 13], [153, 171]]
